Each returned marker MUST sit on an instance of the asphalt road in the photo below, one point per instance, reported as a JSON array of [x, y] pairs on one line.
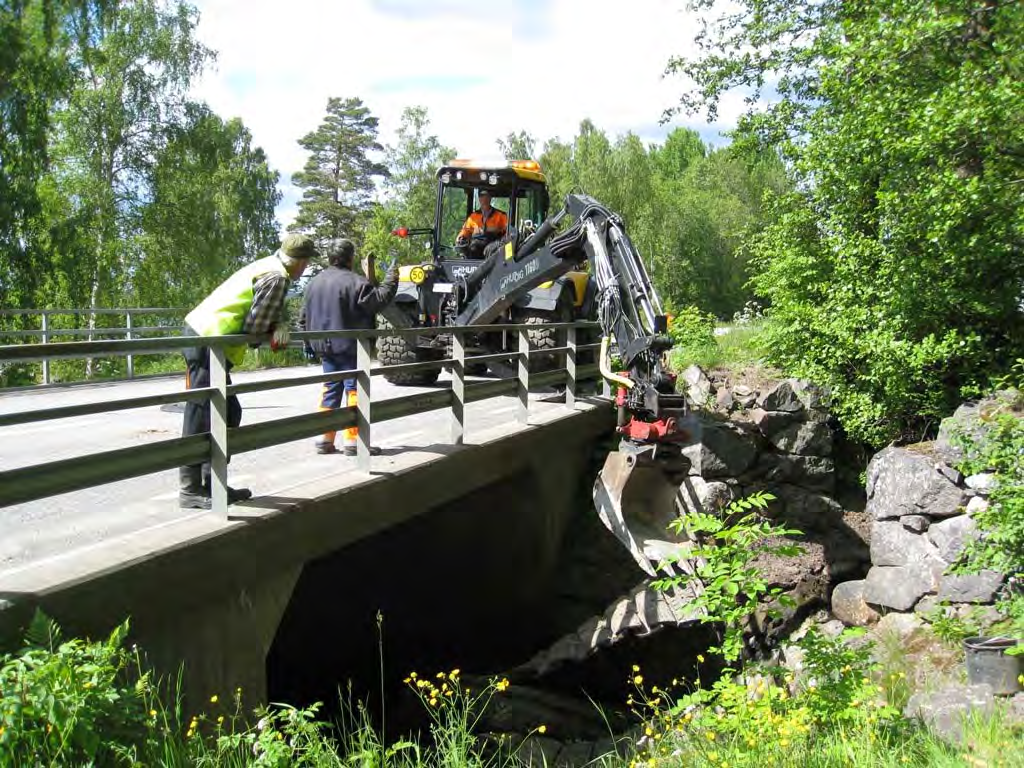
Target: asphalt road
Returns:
[[57, 525]]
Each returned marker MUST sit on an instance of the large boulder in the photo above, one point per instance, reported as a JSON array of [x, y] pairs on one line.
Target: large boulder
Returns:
[[970, 587], [781, 397], [726, 449], [698, 386], [904, 482], [770, 422], [797, 395], [708, 496], [896, 587], [969, 420], [849, 606], [951, 535], [893, 544], [808, 438], [945, 711], [816, 473]]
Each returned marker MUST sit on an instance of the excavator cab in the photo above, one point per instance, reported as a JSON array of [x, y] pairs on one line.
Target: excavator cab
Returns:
[[518, 190]]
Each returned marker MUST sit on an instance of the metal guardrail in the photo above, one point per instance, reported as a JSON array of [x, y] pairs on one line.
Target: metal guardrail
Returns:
[[46, 332], [40, 481]]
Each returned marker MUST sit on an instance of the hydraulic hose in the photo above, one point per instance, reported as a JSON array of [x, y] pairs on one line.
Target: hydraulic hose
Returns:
[[604, 365]]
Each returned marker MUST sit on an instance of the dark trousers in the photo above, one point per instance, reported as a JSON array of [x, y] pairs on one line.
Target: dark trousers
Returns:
[[197, 415], [337, 394]]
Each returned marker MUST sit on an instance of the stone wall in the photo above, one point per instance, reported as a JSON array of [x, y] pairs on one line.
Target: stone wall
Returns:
[[922, 515], [781, 439]]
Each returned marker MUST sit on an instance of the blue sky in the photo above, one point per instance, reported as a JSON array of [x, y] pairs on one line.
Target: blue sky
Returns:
[[482, 69]]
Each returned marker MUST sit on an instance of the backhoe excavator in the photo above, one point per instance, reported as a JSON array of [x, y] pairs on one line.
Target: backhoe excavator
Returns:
[[636, 491]]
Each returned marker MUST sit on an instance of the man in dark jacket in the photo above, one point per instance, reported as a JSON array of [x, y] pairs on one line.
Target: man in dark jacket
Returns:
[[340, 299]]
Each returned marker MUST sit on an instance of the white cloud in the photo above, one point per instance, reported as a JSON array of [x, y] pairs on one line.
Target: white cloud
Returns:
[[481, 69]]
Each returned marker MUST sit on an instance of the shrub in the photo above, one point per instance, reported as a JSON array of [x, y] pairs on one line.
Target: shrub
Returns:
[[74, 702], [726, 545]]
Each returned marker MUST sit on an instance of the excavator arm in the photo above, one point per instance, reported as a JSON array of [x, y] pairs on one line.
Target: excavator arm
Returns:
[[636, 491]]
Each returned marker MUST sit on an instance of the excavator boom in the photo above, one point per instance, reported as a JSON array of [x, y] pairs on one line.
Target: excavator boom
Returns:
[[636, 491]]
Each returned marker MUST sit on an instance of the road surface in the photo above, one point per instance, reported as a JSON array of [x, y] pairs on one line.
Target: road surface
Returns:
[[53, 527]]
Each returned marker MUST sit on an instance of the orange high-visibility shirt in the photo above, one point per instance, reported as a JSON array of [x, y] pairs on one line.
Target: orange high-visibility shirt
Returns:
[[495, 225]]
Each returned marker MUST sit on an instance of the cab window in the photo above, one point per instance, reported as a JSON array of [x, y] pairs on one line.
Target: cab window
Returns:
[[531, 206]]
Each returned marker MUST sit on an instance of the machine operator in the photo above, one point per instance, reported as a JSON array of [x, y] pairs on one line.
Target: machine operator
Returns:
[[484, 225]]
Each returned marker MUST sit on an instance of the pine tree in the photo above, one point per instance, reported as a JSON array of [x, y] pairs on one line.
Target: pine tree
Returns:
[[338, 176]]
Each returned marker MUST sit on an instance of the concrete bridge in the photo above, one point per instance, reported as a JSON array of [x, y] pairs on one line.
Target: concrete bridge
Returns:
[[469, 500]]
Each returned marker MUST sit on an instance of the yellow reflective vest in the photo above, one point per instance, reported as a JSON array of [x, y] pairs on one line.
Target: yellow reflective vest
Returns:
[[223, 312]]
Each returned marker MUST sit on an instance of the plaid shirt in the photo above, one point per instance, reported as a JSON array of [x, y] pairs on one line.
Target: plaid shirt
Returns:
[[268, 295]]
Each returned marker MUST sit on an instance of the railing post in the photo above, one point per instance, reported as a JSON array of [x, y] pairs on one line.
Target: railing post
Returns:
[[46, 340], [570, 369], [363, 403], [219, 432], [523, 390], [458, 387], [128, 336]]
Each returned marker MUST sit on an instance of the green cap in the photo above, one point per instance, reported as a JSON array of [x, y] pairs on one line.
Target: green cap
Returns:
[[299, 247]]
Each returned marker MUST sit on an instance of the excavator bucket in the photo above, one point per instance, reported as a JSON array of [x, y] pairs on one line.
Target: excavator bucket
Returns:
[[636, 496]]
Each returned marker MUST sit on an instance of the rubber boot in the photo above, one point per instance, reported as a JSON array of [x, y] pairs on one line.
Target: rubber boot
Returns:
[[326, 444], [191, 493], [351, 434]]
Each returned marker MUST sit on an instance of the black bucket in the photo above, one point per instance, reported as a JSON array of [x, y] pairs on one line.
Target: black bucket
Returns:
[[987, 662]]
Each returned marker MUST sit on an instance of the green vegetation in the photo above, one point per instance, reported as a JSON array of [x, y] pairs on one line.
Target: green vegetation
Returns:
[[899, 123], [338, 178], [996, 446], [73, 702], [726, 544]]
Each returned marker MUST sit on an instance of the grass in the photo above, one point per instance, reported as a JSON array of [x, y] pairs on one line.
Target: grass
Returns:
[[738, 353], [75, 702]]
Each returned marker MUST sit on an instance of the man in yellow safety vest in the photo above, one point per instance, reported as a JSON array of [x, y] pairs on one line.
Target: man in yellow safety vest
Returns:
[[251, 301]]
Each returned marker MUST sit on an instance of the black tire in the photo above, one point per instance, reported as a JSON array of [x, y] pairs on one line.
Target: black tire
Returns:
[[398, 350], [543, 339], [472, 369]]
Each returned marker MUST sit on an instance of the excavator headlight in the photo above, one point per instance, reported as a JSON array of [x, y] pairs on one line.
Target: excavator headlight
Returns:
[[417, 275]]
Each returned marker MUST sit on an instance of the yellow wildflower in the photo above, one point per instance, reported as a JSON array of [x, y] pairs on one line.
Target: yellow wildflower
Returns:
[[213, 699], [433, 701], [220, 719], [638, 680], [152, 713], [700, 658], [636, 668], [454, 673], [412, 675], [542, 729], [783, 742], [711, 735], [649, 731], [501, 685]]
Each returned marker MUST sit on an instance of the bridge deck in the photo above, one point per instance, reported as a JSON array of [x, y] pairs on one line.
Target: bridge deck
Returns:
[[91, 529]]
